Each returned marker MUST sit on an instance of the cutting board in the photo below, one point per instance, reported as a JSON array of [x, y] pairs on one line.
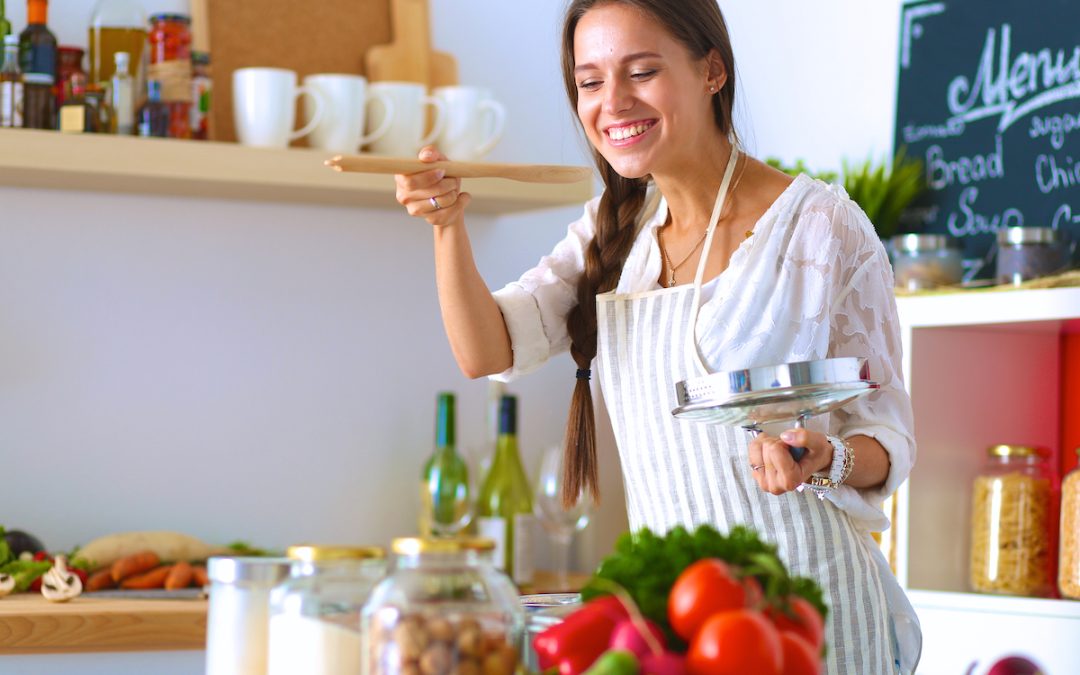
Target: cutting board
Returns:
[[409, 57]]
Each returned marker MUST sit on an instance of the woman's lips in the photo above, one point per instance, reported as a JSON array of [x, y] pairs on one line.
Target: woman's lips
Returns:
[[625, 134]]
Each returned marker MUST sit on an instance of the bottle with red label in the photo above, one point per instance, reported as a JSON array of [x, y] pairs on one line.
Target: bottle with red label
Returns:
[[37, 58]]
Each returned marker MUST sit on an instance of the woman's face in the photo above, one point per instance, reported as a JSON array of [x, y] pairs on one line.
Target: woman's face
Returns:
[[643, 100]]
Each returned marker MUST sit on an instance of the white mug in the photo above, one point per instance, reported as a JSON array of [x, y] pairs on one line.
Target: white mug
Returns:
[[342, 125], [474, 122], [406, 134], [264, 107]]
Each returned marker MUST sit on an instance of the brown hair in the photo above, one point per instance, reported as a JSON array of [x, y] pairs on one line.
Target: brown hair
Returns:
[[699, 25]]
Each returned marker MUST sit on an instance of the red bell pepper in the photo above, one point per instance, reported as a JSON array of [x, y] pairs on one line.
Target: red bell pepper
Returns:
[[581, 638]]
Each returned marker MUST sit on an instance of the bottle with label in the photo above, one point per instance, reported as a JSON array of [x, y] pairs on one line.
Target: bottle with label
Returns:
[[445, 505], [11, 85], [153, 117], [121, 97], [169, 42], [77, 115], [504, 508], [37, 58], [115, 26], [201, 85]]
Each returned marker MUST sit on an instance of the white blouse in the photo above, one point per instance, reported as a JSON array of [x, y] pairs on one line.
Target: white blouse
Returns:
[[812, 282]]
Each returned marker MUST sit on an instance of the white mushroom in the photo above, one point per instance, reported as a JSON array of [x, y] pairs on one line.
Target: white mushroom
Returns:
[[58, 584], [7, 584]]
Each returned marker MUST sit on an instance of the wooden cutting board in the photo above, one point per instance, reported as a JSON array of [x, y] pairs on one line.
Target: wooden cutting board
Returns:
[[409, 57]]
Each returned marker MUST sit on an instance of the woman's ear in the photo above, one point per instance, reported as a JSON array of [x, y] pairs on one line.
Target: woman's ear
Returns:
[[716, 71]]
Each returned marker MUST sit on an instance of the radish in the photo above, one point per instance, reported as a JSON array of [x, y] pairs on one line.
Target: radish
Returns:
[[665, 663], [627, 636]]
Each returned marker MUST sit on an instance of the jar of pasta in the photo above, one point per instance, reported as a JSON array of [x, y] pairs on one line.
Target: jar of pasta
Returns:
[[1010, 523], [1069, 559]]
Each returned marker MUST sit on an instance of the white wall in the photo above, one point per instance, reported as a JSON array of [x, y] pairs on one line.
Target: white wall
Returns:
[[267, 372]]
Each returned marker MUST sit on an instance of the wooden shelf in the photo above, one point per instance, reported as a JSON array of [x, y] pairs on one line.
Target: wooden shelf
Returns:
[[31, 625], [152, 166]]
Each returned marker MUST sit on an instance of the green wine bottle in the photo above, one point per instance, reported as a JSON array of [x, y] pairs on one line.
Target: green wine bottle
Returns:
[[444, 488], [504, 508]]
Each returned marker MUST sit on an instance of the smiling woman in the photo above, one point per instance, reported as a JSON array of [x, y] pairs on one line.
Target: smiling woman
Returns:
[[698, 258]]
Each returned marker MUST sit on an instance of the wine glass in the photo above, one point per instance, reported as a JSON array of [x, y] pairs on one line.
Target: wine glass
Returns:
[[559, 521]]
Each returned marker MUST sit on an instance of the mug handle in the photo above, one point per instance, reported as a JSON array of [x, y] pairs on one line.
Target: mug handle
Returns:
[[498, 123], [316, 118], [440, 120], [384, 126]]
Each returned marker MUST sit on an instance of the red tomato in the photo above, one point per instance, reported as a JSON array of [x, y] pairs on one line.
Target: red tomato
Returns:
[[799, 656], [736, 642], [802, 619], [703, 589]]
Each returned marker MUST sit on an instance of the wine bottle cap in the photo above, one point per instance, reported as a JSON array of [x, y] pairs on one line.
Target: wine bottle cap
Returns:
[[508, 414], [121, 59]]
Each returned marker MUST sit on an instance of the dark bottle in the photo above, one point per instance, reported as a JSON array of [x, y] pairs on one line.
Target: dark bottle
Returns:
[[153, 117], [37, 57]]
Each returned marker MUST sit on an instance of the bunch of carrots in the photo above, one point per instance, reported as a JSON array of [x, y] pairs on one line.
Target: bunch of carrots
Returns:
[[144, 570]]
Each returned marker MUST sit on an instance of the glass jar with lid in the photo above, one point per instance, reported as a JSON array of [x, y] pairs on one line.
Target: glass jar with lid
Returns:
[[315, 614], [924, 261], [1010, 523], [1030, 252], [443, 609], [1069, 542], [238, 614]]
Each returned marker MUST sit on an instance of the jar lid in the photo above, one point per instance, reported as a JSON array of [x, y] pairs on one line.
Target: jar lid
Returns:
[[230, 570], [170, 17], [913, 243], [416, 545], [1027, 235], [309, 553], [1013, 451]]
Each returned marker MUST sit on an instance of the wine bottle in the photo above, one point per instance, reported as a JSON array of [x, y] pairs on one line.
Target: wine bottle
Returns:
[[504, 508], [37, 59], [444, 489]]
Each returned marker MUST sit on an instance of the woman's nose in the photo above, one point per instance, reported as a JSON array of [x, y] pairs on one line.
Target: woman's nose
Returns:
[[617, 98]]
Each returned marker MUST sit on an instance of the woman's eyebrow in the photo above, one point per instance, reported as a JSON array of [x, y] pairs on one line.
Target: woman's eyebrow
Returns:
[[629, 57]]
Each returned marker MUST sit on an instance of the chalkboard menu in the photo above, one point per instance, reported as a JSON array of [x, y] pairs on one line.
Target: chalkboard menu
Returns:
[[989, 99]]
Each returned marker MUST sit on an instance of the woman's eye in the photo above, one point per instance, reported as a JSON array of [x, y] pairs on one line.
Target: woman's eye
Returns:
[[643, 74], [589, 85]]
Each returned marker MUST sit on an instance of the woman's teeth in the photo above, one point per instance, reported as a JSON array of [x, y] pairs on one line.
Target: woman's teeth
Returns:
[[623, 133]]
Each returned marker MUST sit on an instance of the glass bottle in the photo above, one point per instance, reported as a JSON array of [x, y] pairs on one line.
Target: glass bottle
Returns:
[[5, 25], [153, 117], [1010, 523], [121, 97], [68, 62], [115, 26], [11, 85], [201, 87], [315, 614], [1069, 542], [169, 42], [77, 115], [444, 487], [504, 508], [443, 608], [37, 58]]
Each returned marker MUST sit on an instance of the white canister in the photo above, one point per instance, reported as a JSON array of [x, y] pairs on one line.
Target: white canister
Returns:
[[238, 621]]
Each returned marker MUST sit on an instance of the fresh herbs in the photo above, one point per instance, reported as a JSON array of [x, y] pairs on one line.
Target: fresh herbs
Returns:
[[646, 565], [885, 191]]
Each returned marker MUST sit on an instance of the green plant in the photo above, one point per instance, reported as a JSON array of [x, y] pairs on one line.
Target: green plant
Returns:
[[800, 167], [884, 192]]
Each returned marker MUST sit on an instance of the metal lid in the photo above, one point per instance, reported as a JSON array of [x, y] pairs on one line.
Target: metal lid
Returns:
[[1018, 236], [170, 17], [914, 243], [309, 553], [417, 545], [1004, 450], [230, 570]]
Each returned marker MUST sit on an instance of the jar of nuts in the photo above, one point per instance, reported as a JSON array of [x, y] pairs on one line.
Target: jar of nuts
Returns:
[[1069, 557], [443, 609], [1010, 523], [315, 613]]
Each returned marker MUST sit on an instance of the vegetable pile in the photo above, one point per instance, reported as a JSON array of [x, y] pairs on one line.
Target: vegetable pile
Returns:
[[691, 603]]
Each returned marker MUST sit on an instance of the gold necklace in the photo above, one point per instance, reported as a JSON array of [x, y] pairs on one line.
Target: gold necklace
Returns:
[[727, 211]]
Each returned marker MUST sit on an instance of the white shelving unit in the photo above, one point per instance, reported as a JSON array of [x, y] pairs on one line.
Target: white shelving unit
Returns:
[[983, 368]]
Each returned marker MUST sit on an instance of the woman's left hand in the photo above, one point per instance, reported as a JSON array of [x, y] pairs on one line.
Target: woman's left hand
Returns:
[[776, 471]]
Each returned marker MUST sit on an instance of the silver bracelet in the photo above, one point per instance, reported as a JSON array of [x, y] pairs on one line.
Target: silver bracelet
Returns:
[[843, 463]]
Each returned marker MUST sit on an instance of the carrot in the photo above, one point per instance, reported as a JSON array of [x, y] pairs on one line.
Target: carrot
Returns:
[[100, 580], [155, 578], [179, 576], [199, 576], [136, 563]]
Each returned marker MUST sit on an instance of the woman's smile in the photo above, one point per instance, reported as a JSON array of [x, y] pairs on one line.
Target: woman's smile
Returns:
[[630, 133]]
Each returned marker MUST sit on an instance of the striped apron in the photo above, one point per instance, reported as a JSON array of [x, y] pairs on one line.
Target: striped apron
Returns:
[[679, 472]]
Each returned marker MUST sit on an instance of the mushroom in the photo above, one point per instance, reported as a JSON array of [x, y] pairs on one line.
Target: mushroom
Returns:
[[58, 584], [7, 584]]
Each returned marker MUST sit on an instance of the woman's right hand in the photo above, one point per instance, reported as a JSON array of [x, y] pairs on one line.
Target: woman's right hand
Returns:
[[432, 195]]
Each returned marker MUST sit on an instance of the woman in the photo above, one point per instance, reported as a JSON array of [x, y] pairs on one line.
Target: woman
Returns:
[[666, 277]]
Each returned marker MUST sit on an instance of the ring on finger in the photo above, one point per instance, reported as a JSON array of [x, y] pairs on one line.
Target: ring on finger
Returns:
[[435, 202], [757, 467]]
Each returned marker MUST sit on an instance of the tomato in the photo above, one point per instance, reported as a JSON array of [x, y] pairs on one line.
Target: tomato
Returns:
[[736, 642], [800, 658], [801, 619], [703, 589], [754, 595]]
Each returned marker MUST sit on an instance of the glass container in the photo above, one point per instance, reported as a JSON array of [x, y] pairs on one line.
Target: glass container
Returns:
[[923, 261], [69, 63], [315, 614], [1030, 252], [169, 42], [1010, 523], [238, 622], [115, 26], [1069, 542], [443, 609]]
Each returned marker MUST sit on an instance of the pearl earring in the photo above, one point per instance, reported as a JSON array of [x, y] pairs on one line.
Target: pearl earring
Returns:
[[712, 89]]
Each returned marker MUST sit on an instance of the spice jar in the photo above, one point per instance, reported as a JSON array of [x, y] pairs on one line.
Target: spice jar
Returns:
[[169, 41], [1010, 523], [1069, 543], [1029, 252], [443, 609], [922, 261], [69, 63], [315, 614], [237, 619]]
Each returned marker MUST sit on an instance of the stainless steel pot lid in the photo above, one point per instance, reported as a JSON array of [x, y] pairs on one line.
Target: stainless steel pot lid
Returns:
[[790, 391]]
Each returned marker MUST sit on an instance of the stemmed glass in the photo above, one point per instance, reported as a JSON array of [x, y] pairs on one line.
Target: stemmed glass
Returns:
[[560, 522]]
